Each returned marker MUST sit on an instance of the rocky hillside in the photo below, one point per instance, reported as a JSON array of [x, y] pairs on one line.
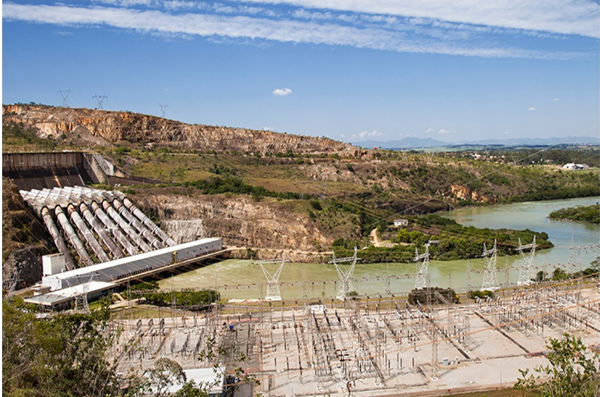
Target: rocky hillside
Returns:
[[109, 127], [262, 189], [24, 239]]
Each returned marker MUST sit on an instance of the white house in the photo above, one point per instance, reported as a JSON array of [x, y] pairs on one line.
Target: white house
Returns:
[[573, 166]]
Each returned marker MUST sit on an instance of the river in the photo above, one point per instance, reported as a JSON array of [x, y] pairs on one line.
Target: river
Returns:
[[372, 278]]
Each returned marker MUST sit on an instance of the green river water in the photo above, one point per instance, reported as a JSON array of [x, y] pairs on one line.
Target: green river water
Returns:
[[371, 278]]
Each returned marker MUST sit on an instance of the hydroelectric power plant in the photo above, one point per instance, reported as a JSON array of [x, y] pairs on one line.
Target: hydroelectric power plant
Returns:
[[345, 343]]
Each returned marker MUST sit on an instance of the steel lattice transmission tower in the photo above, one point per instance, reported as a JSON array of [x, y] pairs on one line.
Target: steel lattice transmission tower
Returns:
[[434, 352], [490, 273], [527, 262], [163, 109], [81, 302], [64, 94], [273, 293], [345, 276], [100, 99], [422, 268]]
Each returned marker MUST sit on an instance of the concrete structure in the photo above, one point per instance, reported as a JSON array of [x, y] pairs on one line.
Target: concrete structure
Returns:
[[121, 268], [62, 299], [53, 264], [95, 216]]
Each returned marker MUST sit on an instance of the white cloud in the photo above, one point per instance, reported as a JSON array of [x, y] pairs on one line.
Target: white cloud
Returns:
[[379, 37], [531, 108], [429, 130], [444, 131], [555, 16], [282, 92], [506, 132], [366, 134], [267, 129], [556, 99], [342, 135]]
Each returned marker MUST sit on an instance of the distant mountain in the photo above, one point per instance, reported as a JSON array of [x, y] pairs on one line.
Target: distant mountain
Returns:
[[417, 143], [583, 140]]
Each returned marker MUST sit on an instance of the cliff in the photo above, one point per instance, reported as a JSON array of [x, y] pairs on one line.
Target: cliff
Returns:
[[240, 220], [114, 127]]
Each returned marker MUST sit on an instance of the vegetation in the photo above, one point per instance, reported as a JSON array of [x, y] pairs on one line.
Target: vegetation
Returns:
[[63, 355], [189, 298], [453, 241], [590, 213], [482, 294], [20, 138], [433, 295], [574, 371]]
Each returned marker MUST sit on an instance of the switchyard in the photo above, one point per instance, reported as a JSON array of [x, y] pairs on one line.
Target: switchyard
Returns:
[[366, 347]]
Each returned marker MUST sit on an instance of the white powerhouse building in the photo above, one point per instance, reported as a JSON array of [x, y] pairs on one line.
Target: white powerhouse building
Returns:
[[124, 267]]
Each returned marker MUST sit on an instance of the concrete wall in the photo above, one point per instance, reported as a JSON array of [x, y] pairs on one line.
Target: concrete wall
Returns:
[[26, 161]]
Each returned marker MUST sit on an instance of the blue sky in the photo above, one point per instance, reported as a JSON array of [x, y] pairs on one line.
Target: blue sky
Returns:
[[350, 70]]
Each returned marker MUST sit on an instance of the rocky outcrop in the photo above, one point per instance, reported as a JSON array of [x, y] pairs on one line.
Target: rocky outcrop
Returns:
[[24, 266], [240, 221], [466, 193], [152, 131], [24, 239]]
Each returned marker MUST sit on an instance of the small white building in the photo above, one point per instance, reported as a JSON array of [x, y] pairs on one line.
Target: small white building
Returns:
[[400, 222], [573, 166]]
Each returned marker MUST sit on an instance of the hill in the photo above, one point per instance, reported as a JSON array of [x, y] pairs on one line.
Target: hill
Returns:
[[280, 191]]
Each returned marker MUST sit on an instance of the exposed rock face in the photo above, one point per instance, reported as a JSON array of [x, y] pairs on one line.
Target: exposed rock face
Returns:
[[24, 238], [183, 231], [154, 131], [466, 193], [239, 220], [24, 264]]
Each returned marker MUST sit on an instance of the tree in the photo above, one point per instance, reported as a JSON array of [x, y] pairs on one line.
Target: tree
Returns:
[[574, 371], [63, 355], [165, 374]]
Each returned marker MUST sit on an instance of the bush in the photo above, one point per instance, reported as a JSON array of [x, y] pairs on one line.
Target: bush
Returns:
[[316, 204], [420, 295], [482, 294]]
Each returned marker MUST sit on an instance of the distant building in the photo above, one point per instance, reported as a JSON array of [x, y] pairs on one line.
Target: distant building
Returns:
[[400, 222], [573, 166]]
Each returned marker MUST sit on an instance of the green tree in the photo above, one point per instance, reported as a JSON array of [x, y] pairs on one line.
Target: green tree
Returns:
[[574, 371], [63, 355]]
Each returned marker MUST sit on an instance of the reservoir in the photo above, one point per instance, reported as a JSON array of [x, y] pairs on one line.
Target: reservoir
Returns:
[[319, 280]]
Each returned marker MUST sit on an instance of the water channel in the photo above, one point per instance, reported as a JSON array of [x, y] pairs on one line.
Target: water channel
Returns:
[[372, 278]]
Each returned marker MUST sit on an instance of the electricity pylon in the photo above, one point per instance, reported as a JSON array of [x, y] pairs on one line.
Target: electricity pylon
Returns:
[[345, 276], [64, 94], [423, 278], [273, 293], [100, 99], [490, 273], [527, 260]]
